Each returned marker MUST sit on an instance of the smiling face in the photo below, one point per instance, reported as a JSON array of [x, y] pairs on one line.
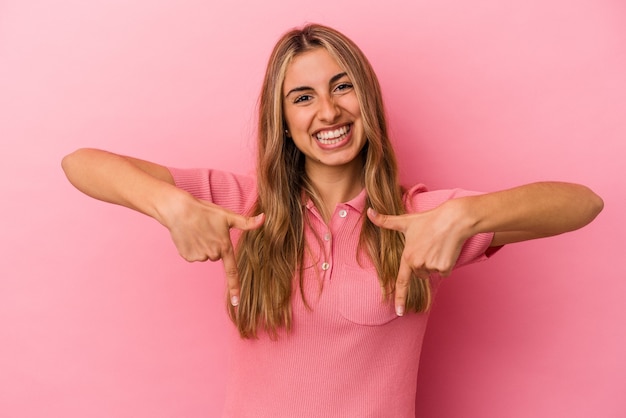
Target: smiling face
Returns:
[[322, 113]]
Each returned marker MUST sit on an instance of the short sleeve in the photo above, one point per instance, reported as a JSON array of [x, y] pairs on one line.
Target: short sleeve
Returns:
[[419, 199], [231, 191]]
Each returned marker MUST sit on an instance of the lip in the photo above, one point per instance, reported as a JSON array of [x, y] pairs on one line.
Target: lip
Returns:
[[335, 145], [331, 128]]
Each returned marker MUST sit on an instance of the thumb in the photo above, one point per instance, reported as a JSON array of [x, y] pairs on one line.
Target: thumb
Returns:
[[246, 223], [395, 222]]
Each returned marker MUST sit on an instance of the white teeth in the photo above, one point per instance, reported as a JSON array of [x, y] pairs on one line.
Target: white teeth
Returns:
[[332, 137]]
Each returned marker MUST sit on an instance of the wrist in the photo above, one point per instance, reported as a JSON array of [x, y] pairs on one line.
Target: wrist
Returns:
[[465, 217], [169, 204]]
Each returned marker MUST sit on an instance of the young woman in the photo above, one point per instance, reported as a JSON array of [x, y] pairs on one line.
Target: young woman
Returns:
[[330, 264]]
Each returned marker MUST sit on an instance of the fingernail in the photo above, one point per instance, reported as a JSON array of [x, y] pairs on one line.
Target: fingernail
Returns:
[[259, 217], [372, 211], [399, 310], [234, 300]]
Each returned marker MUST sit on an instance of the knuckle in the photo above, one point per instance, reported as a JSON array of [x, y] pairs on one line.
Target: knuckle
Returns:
[[400, 297], [193, 257], [446, 270], [402, 283], [231, 272], [441, 267], [225, 248], [416, 264], [213, 255]]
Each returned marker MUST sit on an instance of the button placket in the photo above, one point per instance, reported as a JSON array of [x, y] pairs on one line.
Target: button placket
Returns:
[[328, 251], [327, 237]]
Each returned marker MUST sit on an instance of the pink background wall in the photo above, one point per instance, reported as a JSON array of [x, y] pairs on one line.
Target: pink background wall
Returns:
[[100, 318]]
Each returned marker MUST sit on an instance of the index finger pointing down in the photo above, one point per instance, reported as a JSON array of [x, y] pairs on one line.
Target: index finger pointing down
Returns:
[[402, 287], [232, 275]]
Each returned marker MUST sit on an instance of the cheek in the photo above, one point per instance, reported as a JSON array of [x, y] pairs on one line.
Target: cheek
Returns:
[[356, 108], [297, 120], [351, 104]]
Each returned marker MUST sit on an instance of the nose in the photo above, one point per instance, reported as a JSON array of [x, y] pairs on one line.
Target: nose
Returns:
[[328, 110]]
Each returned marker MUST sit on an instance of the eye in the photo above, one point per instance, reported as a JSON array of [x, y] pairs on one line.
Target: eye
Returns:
[[302, 98], [343, 87]]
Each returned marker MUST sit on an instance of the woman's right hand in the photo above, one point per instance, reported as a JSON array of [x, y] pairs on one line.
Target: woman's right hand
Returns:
[[201, 231]]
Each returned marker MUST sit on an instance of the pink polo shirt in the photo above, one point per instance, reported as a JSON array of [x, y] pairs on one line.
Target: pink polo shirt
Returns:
[[349, 355]]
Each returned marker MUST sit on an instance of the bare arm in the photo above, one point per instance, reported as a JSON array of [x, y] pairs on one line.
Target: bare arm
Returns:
[[532, 211], [200, 230], [140, 185], [434, 238]]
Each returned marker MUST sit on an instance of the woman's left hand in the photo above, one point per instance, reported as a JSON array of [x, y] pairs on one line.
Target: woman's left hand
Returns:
[[434, 238], [433, 242]]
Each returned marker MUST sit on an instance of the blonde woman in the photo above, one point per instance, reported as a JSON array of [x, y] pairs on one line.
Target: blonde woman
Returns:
[[330, 264]]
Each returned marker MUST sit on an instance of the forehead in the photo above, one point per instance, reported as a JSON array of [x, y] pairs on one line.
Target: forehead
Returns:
[[312, 68]]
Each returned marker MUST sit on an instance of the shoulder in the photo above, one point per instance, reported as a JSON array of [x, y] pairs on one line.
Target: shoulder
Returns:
[[209, 177], [419, 199], [236, 192]]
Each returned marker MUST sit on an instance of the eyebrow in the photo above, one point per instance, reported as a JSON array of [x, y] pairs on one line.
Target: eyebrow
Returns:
[[333, 79]]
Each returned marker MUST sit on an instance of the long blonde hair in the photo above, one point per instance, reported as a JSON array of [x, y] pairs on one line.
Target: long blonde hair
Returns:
[[268, 258]]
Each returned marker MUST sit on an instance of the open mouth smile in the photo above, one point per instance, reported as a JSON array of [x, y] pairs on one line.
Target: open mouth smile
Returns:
[[334, 136]]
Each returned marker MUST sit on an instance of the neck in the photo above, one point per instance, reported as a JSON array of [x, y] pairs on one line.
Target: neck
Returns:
[[336, 185]]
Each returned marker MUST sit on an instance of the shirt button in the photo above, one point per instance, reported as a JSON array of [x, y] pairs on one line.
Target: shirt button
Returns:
[[327, 237], [343, 213], [325, 266]]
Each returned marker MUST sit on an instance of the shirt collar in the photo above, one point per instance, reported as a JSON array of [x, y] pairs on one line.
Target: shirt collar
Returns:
[[357, 202]]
